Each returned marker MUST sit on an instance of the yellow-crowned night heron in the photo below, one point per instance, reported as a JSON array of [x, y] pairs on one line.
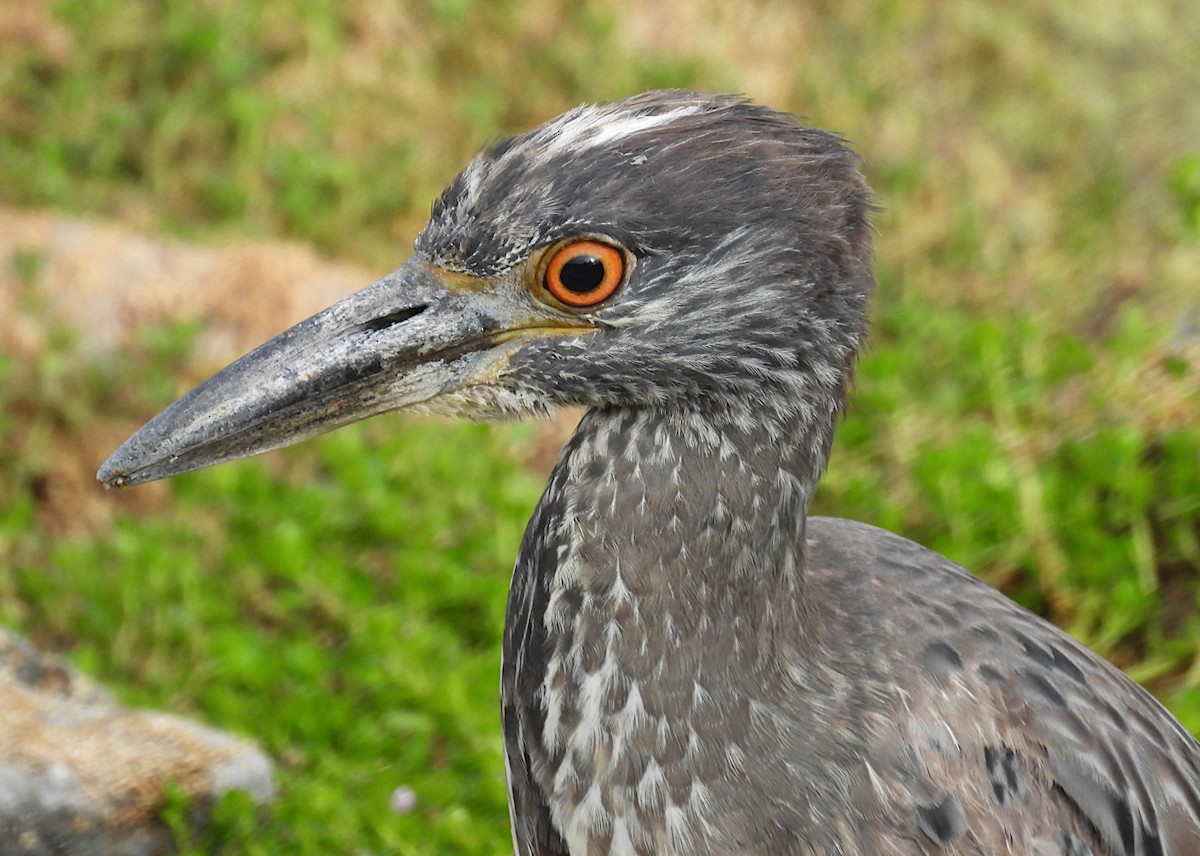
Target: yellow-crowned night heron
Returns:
[[691, 664]]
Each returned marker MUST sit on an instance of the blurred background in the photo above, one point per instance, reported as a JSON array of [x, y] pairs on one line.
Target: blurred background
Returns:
[[181, 180]]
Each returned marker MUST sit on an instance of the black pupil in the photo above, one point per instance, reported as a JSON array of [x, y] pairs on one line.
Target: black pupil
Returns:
[[582, 274]]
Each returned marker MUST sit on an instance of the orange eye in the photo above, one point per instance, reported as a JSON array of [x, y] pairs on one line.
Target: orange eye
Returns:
[[584, 273]]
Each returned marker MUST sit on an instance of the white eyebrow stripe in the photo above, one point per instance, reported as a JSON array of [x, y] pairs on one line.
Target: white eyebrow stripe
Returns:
[[585, 128], [592, 128]]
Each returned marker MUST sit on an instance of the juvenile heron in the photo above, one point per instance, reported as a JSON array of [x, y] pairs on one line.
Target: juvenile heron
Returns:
[[692, 665]]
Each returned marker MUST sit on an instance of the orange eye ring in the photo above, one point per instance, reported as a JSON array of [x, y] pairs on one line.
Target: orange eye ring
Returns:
[[585, 273]]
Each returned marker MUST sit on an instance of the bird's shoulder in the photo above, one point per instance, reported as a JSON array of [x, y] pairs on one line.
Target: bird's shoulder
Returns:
[[1008, 734]]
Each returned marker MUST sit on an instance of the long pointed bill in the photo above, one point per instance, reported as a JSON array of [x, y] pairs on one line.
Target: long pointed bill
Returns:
[[401, 342]]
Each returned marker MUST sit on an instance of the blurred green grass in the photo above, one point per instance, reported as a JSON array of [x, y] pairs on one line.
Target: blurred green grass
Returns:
[[1028, 405]]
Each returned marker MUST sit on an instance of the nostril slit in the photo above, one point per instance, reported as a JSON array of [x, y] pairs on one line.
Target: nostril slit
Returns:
[[392, 318]]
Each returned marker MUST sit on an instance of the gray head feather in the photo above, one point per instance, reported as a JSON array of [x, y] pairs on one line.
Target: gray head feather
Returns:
[[751, 243]]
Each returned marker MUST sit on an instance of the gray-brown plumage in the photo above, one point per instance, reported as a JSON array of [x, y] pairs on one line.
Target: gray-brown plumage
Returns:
[[691, 665]]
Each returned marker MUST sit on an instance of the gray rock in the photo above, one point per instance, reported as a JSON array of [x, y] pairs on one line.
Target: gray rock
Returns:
[[81, 775]]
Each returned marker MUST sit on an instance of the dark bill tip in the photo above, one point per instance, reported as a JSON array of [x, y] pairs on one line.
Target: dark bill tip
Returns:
[[403, 340]]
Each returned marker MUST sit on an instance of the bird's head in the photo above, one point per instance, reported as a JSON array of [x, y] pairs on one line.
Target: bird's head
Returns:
[[672, 250]]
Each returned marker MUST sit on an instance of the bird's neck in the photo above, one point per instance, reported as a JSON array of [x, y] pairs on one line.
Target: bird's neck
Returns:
[[664, 565], [691, 516]]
